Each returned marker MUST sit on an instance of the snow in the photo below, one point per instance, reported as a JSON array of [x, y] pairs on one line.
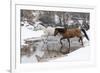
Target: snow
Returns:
[[38, 26], [57, 21], [30, 59], [82, 54], [26, 33], [39, 51], [70, 22]]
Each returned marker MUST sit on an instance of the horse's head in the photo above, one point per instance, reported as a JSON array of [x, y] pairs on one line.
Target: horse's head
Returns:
[[55, 32], [59, 30]]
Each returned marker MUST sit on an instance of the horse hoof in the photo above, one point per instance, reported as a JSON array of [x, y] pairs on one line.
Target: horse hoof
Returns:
[[64, 53], [83, 46], [68, 52], [54, 56], [61, 47]]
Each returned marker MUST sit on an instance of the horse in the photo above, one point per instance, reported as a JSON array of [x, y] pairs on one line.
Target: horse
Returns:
[[70, 33]]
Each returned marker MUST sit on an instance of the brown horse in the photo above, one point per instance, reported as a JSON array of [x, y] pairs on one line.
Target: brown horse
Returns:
[[70, 33]]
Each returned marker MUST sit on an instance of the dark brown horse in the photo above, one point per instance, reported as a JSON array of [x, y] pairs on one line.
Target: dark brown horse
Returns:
[[70, 33]]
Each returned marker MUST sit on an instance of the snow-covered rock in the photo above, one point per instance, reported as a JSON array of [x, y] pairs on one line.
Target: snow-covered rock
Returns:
[[38, 26], [26, 33]]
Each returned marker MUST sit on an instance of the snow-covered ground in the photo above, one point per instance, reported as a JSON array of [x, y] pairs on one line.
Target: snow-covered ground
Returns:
[[77, 53], [47, 48]]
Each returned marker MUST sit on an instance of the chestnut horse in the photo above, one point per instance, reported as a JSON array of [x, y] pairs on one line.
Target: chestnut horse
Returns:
[[70, 33]]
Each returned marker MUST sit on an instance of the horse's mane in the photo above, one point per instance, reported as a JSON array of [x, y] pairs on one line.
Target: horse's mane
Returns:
[[60, 30]]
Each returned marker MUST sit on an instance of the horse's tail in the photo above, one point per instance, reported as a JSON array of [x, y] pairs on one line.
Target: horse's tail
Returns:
[[85, 34]]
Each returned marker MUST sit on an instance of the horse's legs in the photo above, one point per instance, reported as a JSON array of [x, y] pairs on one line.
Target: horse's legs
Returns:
[[81, 40], [61, 42], [68, 42], [69, 45]]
